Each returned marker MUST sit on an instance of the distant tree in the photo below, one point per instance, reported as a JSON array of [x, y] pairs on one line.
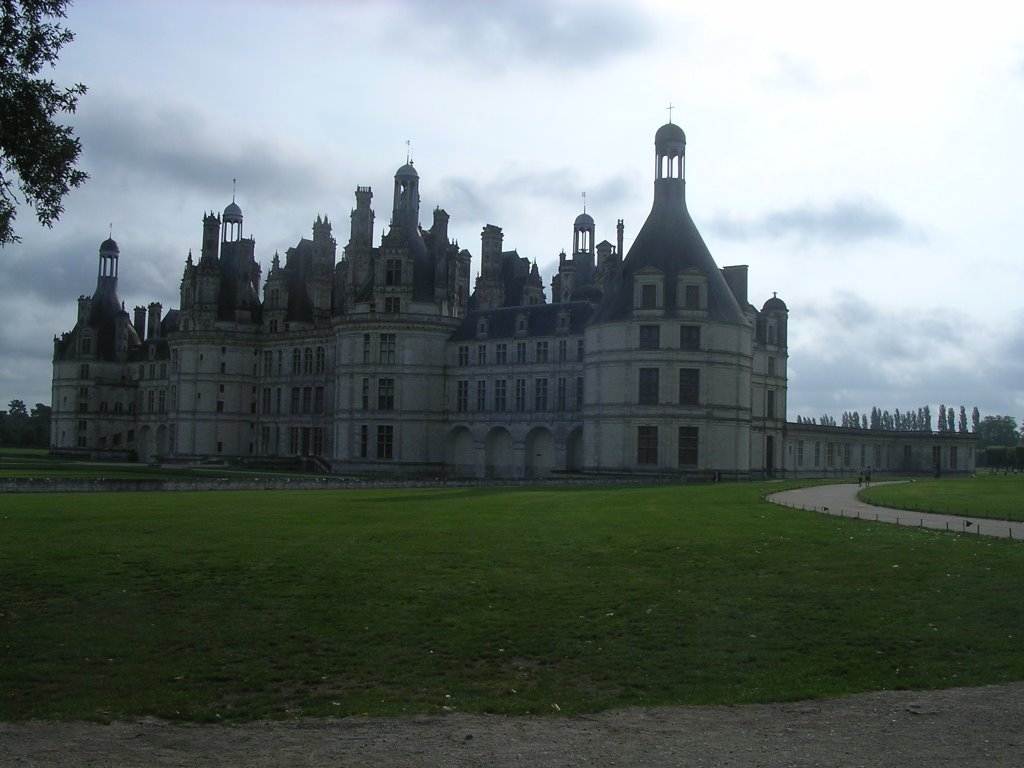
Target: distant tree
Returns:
[[37, 155], [962, 421], [876, 417], [863, 421], [997, 431], [926, 416], [16, 425], [942, 417], [975, 419], [39, 424], [950, 419]]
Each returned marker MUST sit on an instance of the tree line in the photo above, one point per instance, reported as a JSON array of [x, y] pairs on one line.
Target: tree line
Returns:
[[910, 420], [22, 428]]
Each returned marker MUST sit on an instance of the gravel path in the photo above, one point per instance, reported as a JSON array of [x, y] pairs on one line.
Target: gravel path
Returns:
[[842, 500], [963, 727]]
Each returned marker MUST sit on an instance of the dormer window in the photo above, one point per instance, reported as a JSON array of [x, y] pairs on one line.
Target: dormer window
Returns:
[[522, 325], [482, 328], [692, 291], [648, 290]]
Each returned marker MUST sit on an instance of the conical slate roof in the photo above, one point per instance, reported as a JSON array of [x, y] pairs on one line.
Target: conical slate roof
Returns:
[[670, 243]]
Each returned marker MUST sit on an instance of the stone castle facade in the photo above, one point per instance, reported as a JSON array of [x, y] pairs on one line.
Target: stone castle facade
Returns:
[[391, 360]]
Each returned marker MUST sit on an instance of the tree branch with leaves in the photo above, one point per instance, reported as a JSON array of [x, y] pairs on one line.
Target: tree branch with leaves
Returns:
[[37, 155]]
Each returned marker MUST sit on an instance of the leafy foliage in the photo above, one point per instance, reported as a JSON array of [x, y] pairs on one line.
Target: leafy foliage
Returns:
[[20, 428], [37, 155]]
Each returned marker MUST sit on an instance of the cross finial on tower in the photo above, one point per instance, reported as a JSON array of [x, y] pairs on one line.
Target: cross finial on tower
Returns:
[[234, 188], [670, 108], [110, 231], [584, 202], [408, 151]]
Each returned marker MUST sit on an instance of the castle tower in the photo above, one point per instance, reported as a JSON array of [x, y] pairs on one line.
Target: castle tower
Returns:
[[490, 285], [361, 235], [211, 238], [405, 212], [232, 222]]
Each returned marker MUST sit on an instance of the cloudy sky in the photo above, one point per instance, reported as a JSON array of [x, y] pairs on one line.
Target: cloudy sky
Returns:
[[862, 158]]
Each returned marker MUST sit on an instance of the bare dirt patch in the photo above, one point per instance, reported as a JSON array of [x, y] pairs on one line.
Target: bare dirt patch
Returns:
[[956, 727]]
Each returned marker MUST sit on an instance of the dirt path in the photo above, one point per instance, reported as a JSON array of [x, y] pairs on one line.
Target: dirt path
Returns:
[[960, 727]]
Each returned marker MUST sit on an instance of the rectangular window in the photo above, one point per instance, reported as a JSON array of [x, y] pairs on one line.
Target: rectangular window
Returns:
[[83, 371], [688, 438], [648, 296], [366, 393], [318, 400], [366, 348], [646, 445], [318, 441], [540, 394], [936, 456], [650, 336], [579, 393], [799, 453], [295, 401], [691, 297], [392, 305], [648, 388], [385, 441], [481, 396], [307, 399], [481, 354], [149, 402], [364, 441], [501, 353], [280, 361], [520, 352], [293, 441], [463, 355], [689, 386], [952, 457], [689, 337], [220, 405], [878, 456], [769, 407], [846, 454], [268, 363], [562, 394], [161, 401], [385, 394], [579, 350], [387, 348], [830, 454], [817, 454], [277, 401], [501, 395], [163, 370], [462, 396], [771, 366], [541, 350], [520, 394], [296, 362], [563, 350], [393, 272]]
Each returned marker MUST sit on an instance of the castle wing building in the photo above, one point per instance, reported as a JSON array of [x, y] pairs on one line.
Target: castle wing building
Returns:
[[389, 361]]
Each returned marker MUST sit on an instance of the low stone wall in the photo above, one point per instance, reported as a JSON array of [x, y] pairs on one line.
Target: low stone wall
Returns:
[[101, 485]]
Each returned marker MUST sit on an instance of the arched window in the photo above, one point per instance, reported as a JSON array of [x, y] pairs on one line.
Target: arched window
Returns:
[[321, 360], [309, 360], [296, 361]]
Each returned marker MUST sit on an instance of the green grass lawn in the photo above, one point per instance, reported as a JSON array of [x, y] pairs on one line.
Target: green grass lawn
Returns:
[[988, 495], [239, 605]]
